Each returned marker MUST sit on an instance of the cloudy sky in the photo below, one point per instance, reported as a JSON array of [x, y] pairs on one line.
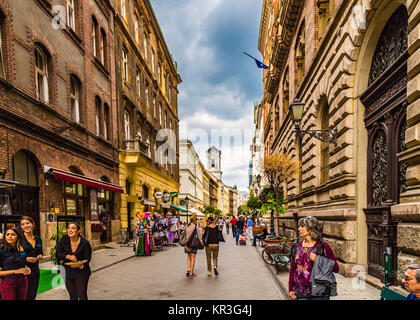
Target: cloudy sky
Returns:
[[220, 84]]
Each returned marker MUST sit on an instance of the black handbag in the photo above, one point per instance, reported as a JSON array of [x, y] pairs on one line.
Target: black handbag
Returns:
[[220, 236], [193, 242]]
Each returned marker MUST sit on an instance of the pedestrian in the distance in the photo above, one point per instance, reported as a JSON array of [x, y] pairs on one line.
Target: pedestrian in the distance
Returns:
[[220, 224], [32, 245], [14, 272], [240, 224], [227, 225], [211, 242], [191, 252], [76, 253], [233, 224], [249, 227], [303, 257]]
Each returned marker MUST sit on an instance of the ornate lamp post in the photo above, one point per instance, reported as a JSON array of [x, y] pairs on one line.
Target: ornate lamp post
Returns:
[[326, 135]]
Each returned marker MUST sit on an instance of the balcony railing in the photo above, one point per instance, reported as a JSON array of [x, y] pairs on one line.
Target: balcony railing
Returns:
[[135, 145]]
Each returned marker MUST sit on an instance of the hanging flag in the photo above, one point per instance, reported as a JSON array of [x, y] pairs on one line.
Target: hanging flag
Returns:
[[258, 62]]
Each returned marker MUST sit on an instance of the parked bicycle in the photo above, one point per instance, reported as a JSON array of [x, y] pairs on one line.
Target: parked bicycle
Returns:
[[278, 254]]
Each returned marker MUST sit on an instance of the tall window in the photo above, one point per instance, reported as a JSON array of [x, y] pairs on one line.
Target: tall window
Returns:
[[124, 9], [145, 47], [125, 64], [286, 93], [325, 10], [160, 113], [146, 95], [2, 73], [159, 73], [71, 21], [98, 115], [127, 125], [106, 122], [169, 94], [300, 57], [325, 154], [154, 105], [152, 58], [139, 135], [94, 36], [103, 47], [166, 119], [75, 99], [41, 75], [136, 29], [138, 86], [149, 153]]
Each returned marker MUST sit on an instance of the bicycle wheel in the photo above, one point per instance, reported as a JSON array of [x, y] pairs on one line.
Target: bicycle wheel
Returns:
[[268, 250]]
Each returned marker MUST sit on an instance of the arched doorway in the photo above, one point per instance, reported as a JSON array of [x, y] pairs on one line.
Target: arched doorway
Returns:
[[25, 195], [385, 108]]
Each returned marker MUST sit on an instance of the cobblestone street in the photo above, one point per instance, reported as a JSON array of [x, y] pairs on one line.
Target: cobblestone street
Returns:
[[242, 275]]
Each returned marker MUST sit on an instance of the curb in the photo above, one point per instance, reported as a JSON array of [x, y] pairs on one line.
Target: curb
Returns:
[[276, 279]]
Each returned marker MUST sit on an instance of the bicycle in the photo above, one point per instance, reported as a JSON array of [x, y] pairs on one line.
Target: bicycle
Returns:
[[277, 255]]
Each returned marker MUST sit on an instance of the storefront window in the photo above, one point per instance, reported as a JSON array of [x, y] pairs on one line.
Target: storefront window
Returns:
[[74, 198]]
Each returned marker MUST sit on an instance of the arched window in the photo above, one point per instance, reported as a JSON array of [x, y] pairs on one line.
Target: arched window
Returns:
[[41, 72], [71, 14], [127, 125], [286, 93], [300, 57], [98, 115], [103, 47], [152, 60], [106, 122], [75, 90], [325, 153], [136, 29], [125, 64], [95, 36], [138, 86], [146, 95], [24, 170], [2, 67], [145, 47]]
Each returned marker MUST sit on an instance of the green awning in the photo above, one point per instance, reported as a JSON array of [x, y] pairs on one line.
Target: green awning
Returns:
[[179, 208]]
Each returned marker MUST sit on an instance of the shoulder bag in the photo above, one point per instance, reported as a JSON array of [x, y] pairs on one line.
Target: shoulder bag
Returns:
[[193, 242]]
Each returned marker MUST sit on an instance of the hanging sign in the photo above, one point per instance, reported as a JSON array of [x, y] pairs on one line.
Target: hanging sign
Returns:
[[158, 195], [174, 194], [166, 197]]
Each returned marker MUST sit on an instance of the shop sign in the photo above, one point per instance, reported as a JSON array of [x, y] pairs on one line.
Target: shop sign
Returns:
[[174, 194], [166, 197], [158, 195]]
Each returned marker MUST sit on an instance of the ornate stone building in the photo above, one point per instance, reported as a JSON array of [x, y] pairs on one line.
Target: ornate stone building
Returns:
[[355, 65], [58, 141], [147, 100]]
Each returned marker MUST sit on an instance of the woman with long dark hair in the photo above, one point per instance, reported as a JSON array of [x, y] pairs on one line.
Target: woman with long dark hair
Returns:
[[32, 245], [191, 252], [303, 257], [211, 242], [13, 272], [75, 252]]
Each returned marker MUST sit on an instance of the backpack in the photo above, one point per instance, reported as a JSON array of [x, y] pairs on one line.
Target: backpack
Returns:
[[183, 238]]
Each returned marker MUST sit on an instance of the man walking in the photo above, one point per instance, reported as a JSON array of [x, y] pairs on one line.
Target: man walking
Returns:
[[239, 228], [249, 227], [227, 225], [233, 224]]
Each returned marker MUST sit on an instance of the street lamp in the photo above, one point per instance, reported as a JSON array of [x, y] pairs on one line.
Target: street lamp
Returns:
[[326, 135], [186, 204]]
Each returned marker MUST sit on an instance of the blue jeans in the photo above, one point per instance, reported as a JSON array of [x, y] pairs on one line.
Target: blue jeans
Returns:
[[238, 233], [254, 241], [314, 298], [227, 229]]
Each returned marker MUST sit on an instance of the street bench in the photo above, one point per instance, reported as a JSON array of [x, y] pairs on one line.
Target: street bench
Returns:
[[389, 294]]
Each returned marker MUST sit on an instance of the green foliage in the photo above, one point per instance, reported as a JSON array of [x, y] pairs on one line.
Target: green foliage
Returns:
[[269, 204], [217, 212], [209, 209], [61, 232], [254, 203], [229, 215]]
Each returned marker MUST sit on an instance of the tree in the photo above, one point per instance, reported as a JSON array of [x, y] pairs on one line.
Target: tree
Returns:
[[253, 203], [209, 209], [279, 168], [217, 212]]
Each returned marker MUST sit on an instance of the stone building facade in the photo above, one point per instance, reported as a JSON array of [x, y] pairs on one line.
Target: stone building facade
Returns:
[[147, 101], [355, 66], [58, 143]]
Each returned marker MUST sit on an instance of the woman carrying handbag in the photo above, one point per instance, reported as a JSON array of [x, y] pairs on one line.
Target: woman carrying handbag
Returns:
[[194, 242]]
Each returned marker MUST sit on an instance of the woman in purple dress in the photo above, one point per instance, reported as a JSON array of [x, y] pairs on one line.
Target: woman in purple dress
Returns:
[[303, 257]]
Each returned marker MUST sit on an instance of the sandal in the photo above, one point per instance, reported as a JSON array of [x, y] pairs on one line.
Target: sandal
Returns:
[[192, 275]]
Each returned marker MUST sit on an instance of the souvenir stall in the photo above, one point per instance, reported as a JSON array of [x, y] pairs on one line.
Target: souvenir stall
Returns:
[[159, 235], [144, 243], [174, 227]]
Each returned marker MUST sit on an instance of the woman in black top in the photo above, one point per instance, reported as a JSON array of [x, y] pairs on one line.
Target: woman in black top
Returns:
[[211, 242], [74, 248], [32, 245], [13, 272]]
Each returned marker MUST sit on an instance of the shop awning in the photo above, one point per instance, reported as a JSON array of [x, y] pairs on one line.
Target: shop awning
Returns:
[[165, 205], [76, 178], [149, 202], [179, 208], [7, 184]]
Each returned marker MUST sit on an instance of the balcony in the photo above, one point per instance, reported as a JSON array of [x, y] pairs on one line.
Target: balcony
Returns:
[[135, 152]]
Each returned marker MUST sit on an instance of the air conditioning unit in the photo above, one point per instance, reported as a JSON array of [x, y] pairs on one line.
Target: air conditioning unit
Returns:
[[50, 217]]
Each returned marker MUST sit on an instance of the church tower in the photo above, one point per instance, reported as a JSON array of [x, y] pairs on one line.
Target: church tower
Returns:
[[214, 161]]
